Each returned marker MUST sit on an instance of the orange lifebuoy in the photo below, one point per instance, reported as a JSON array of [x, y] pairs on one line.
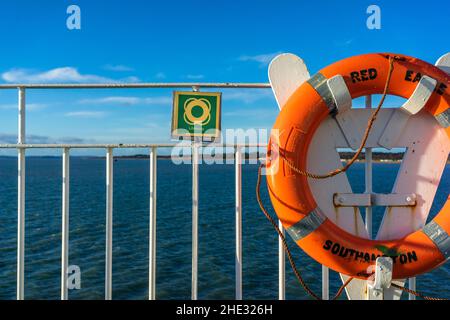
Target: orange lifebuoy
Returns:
[[290, 193]]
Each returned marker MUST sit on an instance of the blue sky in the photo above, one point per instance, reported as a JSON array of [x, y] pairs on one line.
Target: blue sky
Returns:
[[183, 41]]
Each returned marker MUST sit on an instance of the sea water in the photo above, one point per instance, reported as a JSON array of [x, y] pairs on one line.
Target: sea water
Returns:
[[130, 233]]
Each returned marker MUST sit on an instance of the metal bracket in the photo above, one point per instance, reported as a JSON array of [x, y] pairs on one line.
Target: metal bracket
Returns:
[[383, 277], [345, 120], [412, 106], [374, 200]]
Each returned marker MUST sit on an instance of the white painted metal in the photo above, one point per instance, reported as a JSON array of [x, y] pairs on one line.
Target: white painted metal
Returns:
[[21, 116], [374, 199], [394, 128], [286, 73], [368, 177], [152, 227], [382, 278], [412, 286], [122, 146], [412, 106], [444, 62], [426, 156], [423, 138], [325, 283], [340, 93], [109, 223], [140, 85], [65, 222], [195, 161], [323, 157], [421, 135], [281, 265], [238, 222], [420, 96], [344, 119], [368, 191], [21, 197]]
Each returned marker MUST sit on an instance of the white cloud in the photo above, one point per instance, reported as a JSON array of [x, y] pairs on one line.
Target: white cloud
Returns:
[[11, 138], [29, 106], [117, 67], [254, 113], [262, 59], [128, 100], [111, 100], [160, 75], [195, 76], [62, 75], [248, 95], [343, 43], [86, 114], [158, 100]]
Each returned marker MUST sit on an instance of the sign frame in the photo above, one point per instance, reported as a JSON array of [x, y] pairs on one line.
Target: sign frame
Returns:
[[176, 111]]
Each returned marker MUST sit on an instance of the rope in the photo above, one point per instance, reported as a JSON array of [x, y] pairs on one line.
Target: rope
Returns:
[[417, 294], [286, 248], [292, 262], [325, 176], [370, 123]]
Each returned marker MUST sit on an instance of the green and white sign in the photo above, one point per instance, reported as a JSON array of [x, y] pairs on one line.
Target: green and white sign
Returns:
[[196, 114]]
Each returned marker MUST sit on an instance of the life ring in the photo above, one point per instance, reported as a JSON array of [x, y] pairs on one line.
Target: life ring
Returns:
[[291, 196]]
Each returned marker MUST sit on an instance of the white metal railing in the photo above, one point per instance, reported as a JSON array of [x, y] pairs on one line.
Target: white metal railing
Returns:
[[152, 208], [21, 147]]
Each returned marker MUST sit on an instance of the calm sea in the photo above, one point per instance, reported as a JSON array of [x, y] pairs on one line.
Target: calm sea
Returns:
[[130, 252]]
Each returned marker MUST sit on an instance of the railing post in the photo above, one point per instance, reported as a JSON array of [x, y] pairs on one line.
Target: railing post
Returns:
[[152, 237], [194, 282], [412, 286], [109, 223], [281, 266], [238, 221], [325, 283], [368, 177], [65, 222], [21, 197]]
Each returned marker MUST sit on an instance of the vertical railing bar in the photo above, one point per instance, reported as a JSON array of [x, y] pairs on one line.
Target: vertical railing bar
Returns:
[[194, 280], [412, 286], [238, 221], [368, 177], [21, 196], [368, 184], [281, 266], [109, 223], [325, 283], [152, 237], [65, 222]]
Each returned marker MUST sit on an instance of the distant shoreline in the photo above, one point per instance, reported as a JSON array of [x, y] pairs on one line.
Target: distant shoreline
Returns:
[[377, 157]]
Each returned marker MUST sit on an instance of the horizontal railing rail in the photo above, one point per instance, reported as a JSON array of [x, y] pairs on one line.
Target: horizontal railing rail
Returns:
[[143, 85], [126, 146]]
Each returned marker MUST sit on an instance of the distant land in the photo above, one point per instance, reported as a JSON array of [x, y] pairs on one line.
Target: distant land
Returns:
[[376, 156]]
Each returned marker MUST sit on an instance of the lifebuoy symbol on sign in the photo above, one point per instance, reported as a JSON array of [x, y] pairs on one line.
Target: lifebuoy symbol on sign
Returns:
[[205, 116]]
